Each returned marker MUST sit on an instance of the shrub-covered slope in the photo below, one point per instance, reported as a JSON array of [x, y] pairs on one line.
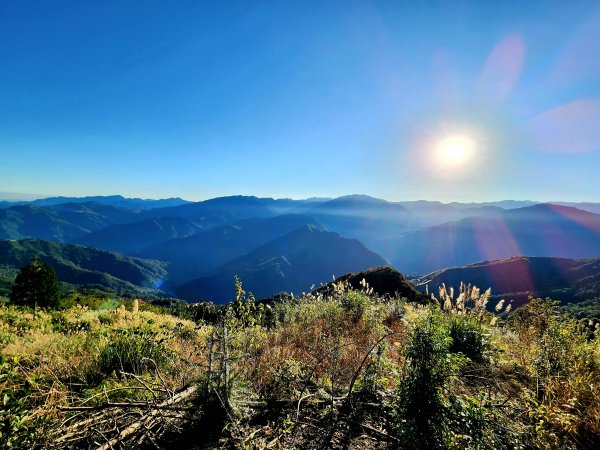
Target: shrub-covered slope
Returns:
[[345, 369]]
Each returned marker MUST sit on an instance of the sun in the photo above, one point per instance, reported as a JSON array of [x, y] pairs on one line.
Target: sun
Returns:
[[455, 150]]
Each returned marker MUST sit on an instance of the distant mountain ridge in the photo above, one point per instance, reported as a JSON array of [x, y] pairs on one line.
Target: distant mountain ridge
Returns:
[[293, 262], [236, 207], [130, 238], [208, 250], [283, 204], [113, 200], [60, 223], [539, 230]]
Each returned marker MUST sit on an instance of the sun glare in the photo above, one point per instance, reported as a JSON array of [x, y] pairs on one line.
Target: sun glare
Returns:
[[455, 149]]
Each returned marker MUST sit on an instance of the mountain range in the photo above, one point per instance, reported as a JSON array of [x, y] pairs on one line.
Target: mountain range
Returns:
[[539, 230], [285, 244], [294, 262], [112, 200]]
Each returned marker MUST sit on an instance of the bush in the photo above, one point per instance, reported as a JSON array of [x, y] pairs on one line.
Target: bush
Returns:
[[355, 304], [534, 317], [420, 404], [19, 429], [132, 352], [205, 312], [468, 338]]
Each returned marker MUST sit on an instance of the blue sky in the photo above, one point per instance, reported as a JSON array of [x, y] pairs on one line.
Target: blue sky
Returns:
[[299, 99]]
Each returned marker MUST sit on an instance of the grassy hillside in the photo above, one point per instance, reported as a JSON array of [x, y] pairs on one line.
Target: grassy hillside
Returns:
[[346, 369]]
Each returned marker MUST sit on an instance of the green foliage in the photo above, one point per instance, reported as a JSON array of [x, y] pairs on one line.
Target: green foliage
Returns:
[[373, 381], [427, 417], [173, 306], [8, 274], [421, 407], [355, 303], [535, 316], [468, 338], [588, 309], [83, 267], [243, 312], [90, 298], [347, 362], [36, 286], [471, 423], [132, 351], [204, 312], [18, 428]]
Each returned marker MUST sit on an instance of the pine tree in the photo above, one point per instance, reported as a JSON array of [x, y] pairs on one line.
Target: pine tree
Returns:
[[36, 285]]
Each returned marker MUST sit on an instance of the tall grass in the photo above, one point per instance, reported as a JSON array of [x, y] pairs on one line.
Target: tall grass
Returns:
[[318, 371]]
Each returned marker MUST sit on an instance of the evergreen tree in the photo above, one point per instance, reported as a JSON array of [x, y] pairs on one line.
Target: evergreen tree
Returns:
[[36, 285]]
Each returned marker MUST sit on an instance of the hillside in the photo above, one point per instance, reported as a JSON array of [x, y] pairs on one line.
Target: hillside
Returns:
[[199, 238], [339, 369], [206, 251], [384, 281], [294, 262], [82, 266], [569, 280], [540, 230]]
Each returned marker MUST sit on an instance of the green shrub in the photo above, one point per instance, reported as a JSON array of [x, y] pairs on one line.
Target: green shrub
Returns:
[[420, 403], [355, 304], [468, 338], [535, 316], [204, 312], [19, 429], [132, 352]]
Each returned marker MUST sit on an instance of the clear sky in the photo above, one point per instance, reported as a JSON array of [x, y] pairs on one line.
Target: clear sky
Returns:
[[451, 100]]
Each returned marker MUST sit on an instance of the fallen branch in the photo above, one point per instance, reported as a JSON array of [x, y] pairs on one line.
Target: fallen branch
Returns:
[[121, 405], [146, 421]]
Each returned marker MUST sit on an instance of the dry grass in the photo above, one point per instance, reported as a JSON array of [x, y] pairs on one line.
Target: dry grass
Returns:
[[537, 387]]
